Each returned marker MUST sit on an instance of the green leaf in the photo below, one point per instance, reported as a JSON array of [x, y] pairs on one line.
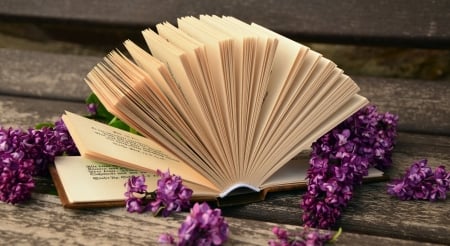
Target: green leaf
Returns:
[[336, 235], [157, 212], [105, 116], [117, 123], [44, 124], [102, 112]]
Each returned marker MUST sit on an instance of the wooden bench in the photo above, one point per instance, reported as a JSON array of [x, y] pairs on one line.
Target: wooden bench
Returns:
[[38, 86]]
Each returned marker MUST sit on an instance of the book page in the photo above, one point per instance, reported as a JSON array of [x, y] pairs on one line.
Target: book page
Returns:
[[288, 58], [196, 56], [234, 102], [101, 142], [87, 181], [184, 74], [127, 92], [217, 48], [295, 172], [317, 130]]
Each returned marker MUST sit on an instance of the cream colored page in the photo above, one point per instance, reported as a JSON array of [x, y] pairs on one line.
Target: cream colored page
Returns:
[[151, 65], [193, 50], [297, 114], [213, 42], [176, 59], [127, 149], [260, 73], [318, 130], [122, 107], [295, 172], [86, 180], [285, 61], [239, 82], [180, 68]]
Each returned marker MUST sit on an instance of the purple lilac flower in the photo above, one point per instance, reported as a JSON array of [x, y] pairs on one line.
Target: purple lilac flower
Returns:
[[303, 238], [92, 108], [421, 183], [16, 180], [203, 226], [166, 238], [171, 195], [44, 144], [24, 154], [341, 158], [135, 185]]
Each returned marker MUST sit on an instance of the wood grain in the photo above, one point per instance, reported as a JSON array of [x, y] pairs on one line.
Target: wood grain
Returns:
[[44, 75], [43, 221], [419, 23], [372, 210], [37, 87], [25, 112], [422, 106]]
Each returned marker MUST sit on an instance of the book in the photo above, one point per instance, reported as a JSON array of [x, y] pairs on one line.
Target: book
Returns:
[[225, 104]]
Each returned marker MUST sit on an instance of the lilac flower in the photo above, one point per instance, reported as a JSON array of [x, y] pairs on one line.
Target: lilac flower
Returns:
[[171, 195], [135, 184], [24, 154], [16, 181], [92, 108], [303, 238], [166, 238], [44, 144], [203, 226], [421, 183], [341, 158], [135, 193]]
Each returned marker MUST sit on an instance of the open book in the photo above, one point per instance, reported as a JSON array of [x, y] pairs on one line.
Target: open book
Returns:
[[224, 104]]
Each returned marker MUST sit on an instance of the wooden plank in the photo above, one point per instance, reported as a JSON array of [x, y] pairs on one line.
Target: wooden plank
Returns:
[[423, 106], [45, 75], [26, 112], [372, 210], [44, 221], [419, 23]]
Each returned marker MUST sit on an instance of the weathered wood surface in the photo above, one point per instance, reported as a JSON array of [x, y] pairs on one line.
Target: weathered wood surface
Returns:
[[401, 22], [423, 106], [25, 112], [36, 87], [46, 75], [371, 211], [42, 221]]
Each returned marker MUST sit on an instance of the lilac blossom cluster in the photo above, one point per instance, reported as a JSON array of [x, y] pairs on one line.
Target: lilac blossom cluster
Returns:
[[303, 238], [341, 158], [203, 226], [136, 191], [24, 154], [170, 196], [421, 183]]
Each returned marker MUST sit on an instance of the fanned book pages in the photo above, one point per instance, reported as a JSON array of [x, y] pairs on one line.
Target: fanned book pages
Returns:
[[224, 104]]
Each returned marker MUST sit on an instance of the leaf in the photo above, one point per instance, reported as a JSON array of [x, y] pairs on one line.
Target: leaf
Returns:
[[102, 113], [336, 235], [117, 123], [44, 124]]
